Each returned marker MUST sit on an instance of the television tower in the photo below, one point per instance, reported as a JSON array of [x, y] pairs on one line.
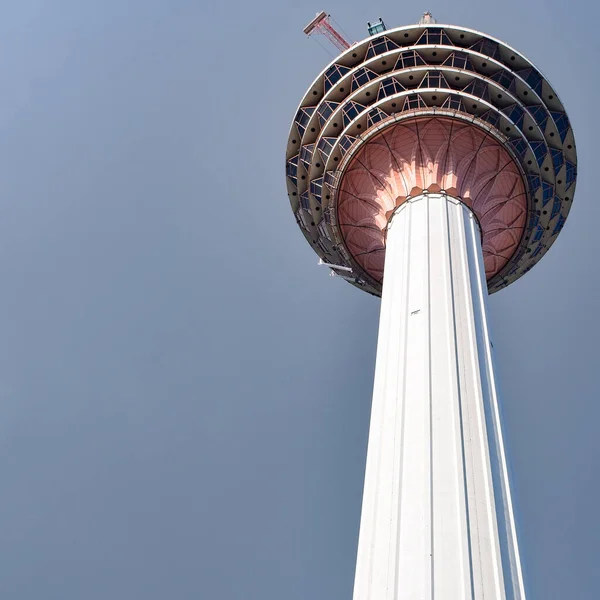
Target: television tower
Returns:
[[432, 165]]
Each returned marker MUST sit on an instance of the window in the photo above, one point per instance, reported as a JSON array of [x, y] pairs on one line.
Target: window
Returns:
[[407, 59], [306, 154], [557, 159], [362, 77], [346, 143], [379, 46], [303, 117], [520, 147], [325, 111], [492, 117], [435, 35], [434, 79], [333, 75], [540, 114], [540, 150], [453, 102], [487, 48], [324, 231], [389, 87], [533, 78], [414, 102], [324, 147], [534, 183], [547, 193], [571, 173], [375, 116], [316, 188], [460, 60], [559, 224], [537, 250], [478, 88], [562, 123], [291, 169], [304, 202], [351, 111], [505, 79], [539, 232], [515, 113], [534, 218], [555, 207]]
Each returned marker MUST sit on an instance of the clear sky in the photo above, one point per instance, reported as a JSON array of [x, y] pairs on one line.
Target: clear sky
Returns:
[[184, 394]]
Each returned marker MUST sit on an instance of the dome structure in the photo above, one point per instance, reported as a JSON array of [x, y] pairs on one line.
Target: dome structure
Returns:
[[430, 108]]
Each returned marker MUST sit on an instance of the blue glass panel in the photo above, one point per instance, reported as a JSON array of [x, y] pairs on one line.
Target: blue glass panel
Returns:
[[562, 123], [558, 159], [375, 116], [547, 193], [380, 46], [306, 154], [325, 111], [487, 47], [540, 114], [316, 188], [304, 202], [540, 150], [571, 173], [515, 113], [534, 182], [534, 218], [537, 251], [434, 79], [409, 58], [533, 78], [303, 117], [362, 77], [351, 111], [539, 232], [325, 145], [453, 102], [333, 75], [413, 102], [388, 88], [520, 147], [492, 117], [559, 224], [346, 142], [291, 169], [555, 207], [505, 79], [478, 88]]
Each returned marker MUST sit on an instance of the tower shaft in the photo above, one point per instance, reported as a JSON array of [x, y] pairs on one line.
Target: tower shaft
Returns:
[[437, 518]]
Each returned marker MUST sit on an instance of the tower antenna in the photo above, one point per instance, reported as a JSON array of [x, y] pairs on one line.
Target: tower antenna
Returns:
[[321, 24]]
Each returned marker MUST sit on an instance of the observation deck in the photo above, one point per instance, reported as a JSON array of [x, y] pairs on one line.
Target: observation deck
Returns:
[[430, 108]]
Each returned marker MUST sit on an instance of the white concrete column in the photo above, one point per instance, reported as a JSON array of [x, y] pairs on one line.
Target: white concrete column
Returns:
[[437, 519]]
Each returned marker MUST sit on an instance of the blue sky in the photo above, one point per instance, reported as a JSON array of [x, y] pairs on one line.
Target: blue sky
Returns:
[[184, 395]]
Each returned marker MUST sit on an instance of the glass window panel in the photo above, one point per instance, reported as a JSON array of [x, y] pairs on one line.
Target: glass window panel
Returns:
[[571, 173], [547, 193], [559, 224], [539, 232], [540, 150], [520, 147], [534, 182], [557, 159], [555, 207], [333, 75]]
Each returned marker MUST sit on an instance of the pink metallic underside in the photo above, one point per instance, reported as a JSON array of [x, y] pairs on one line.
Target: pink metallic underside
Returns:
[[434, 153]]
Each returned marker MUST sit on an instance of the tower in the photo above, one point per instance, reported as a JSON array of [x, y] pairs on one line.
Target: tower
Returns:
[[433, 165]]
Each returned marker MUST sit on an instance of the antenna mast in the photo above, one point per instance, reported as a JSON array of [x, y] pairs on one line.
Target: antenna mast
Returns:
[[320, 24]]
